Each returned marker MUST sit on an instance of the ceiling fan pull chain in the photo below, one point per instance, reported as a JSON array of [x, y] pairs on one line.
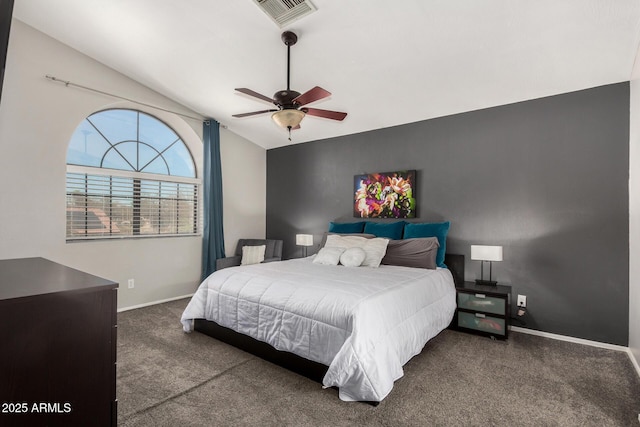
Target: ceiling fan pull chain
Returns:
[[289, 127]]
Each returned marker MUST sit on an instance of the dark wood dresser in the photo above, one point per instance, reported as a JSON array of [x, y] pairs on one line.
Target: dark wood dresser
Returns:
[[57, 345]]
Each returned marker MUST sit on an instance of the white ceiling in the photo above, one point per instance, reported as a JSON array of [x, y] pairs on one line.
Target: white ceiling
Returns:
[[386, 62]]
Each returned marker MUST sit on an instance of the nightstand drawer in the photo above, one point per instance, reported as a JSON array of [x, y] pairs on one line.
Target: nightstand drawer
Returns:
[[481, 302], [482, 322]]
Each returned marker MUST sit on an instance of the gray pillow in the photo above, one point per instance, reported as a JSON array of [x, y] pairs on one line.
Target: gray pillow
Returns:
[[418, 253]]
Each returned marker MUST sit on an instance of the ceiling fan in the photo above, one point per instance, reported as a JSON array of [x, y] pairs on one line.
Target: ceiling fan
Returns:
[[291, 104]]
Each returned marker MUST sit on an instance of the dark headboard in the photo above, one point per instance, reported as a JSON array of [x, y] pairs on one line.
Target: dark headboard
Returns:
[[455, 263]]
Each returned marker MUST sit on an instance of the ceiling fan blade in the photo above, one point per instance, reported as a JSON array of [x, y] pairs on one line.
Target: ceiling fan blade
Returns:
[[253, 113], [254, 94], [327, 114], [296, 128], [311, 95]]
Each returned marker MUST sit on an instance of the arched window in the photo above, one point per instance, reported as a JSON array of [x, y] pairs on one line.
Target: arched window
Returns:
[[129, 175]]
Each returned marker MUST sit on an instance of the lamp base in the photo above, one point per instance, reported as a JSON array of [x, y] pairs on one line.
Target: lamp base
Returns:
[[486, 282]]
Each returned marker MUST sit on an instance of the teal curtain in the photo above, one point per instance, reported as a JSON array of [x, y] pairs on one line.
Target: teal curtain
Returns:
[[213, 234]]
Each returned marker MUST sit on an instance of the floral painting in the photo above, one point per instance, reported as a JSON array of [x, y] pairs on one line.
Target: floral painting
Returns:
[[385, 195]]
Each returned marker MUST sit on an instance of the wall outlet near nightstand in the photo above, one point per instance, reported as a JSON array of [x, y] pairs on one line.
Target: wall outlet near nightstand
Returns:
[[522, 300], [131, 283]]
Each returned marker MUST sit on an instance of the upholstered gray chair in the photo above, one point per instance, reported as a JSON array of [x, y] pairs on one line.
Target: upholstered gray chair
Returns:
[[272, 252]]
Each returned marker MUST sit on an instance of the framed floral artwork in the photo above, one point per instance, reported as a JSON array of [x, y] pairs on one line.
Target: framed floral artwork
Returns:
[[385, 195]]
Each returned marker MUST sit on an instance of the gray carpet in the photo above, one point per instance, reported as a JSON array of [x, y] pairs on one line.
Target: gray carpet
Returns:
[[169, 378]]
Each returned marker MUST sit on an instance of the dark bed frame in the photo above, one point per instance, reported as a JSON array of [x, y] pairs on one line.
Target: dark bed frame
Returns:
[[308, 368]]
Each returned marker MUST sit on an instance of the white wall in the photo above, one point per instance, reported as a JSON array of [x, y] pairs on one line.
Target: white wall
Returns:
[[37, 119], [244, 187], [634, 215]]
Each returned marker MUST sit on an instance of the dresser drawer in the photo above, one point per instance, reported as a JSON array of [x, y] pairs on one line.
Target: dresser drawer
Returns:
[[482, 322], [481, 302]]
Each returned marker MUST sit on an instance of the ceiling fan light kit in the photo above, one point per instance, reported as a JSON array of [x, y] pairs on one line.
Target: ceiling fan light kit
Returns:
[[288, 118], [290, 113]]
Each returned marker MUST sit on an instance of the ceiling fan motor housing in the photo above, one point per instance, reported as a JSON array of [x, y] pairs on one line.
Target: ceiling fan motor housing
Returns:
[[284, 99]]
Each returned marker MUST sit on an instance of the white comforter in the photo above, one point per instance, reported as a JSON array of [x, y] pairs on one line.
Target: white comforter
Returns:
[[364, 323]]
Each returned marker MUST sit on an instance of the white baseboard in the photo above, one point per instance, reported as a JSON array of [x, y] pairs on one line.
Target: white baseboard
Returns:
[[580, 341], [147, 304], [636, 365], [569, 339]]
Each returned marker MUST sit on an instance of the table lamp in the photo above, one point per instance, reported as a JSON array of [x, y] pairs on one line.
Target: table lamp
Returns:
[[484, 253], [304, 240]]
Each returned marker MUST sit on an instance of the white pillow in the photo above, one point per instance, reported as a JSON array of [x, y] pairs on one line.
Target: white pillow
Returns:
[[252, 254], [328, 256], [375, 248], [353, 257], [346, 242]]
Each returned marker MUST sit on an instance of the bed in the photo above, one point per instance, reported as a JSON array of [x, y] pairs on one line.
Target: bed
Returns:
[[350, 328]]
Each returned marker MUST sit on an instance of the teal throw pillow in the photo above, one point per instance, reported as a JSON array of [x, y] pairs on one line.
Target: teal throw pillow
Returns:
[[391, 230], [346, 227]]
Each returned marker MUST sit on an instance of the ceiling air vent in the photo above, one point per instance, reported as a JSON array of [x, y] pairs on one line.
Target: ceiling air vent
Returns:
[[284, 12]]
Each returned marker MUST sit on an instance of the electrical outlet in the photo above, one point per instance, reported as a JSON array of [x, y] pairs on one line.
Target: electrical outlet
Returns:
[[522, 300], [131, 284]]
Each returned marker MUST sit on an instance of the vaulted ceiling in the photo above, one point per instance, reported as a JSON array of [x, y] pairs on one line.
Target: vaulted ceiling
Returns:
[[386, 62]]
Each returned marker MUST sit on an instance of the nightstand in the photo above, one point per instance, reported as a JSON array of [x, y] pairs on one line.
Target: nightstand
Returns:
[[482, 309]]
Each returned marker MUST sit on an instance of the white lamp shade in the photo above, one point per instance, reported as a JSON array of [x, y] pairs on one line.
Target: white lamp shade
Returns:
[[486, 253], [288, 118], [304, 239]]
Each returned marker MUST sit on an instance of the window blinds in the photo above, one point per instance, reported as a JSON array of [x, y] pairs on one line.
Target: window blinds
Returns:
[[109, 206]]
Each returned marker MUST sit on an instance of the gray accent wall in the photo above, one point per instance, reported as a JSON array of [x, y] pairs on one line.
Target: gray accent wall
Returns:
[[547, 179]]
